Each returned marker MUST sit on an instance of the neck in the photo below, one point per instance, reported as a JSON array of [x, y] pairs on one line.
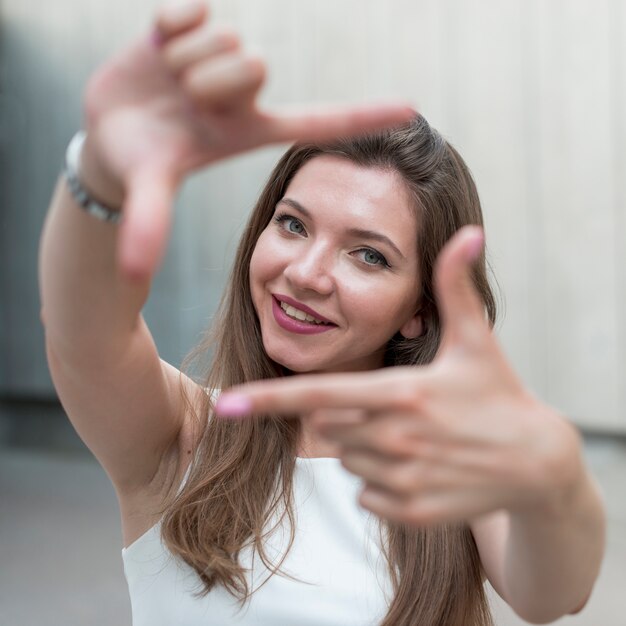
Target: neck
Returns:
[[311, 445]]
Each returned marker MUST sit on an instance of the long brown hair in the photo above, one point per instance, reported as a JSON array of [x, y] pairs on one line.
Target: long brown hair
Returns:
[[242, 470]]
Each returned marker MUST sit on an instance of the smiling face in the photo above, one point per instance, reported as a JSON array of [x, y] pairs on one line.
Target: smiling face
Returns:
[[342, 248]]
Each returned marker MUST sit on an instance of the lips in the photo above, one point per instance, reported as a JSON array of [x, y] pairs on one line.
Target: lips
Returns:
[[302, 307], [296, 326]]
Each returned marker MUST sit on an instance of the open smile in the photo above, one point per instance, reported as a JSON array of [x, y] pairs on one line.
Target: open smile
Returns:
[[298, 319]]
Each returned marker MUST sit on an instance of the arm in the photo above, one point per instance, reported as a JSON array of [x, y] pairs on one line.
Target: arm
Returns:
[[461, 440], [122, 400], [167, 105], [544, 560]]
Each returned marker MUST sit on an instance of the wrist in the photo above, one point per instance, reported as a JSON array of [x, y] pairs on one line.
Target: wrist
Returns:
[[97, 180], [559, 473]]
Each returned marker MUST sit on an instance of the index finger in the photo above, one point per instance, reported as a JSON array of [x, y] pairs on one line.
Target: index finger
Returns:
[[391, 388], [323, 123]]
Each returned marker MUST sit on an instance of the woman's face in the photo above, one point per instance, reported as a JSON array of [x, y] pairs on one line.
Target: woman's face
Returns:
[[342, 248]]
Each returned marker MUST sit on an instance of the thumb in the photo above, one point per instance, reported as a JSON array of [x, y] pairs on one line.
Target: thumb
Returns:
[[461, 308], [146, 222]]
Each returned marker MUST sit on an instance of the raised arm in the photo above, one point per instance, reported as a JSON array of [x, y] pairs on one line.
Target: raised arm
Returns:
[[461, 440], [178, 99]]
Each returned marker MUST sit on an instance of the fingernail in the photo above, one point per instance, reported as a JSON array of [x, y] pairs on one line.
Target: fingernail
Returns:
[[233, 405], [156, 38], [475, 246], [181, 10]]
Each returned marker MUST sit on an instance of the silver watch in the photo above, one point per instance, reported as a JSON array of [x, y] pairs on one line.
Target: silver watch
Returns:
[[79, 193]]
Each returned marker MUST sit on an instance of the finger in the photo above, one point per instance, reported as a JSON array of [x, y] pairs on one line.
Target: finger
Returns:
[[321, 419], [198, 45], [396, 387], [329, 122], [392, 435], [425, 509], [178, 17], [146, 222], [223, 81], [405, 477], [400, 478], [462, 311]]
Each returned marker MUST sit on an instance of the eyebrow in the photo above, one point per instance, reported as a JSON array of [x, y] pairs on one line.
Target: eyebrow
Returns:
[[355, 232]]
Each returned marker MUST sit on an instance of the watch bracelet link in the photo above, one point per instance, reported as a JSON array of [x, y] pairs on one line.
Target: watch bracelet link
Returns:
[[82, 197]]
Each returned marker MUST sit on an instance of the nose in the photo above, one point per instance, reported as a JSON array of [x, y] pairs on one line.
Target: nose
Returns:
[[312, 270]]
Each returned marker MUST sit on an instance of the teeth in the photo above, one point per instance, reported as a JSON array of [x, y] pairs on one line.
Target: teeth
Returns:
[[299, 315]]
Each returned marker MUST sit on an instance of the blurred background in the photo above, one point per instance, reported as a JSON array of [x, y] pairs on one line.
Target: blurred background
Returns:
[[532, 93]]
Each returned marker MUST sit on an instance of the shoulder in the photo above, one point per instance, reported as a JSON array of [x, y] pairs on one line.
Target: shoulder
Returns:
[[141, 508]]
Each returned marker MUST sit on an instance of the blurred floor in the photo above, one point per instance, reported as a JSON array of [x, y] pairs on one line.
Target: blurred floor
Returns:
[[60, 541]]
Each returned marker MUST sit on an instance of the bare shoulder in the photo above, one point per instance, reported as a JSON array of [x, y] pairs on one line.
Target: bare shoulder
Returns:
[[140, 508]]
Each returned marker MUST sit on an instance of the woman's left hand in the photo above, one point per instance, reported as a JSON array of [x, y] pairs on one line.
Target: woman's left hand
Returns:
[[440, 443]]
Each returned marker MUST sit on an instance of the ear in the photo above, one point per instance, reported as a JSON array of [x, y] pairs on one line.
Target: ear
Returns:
[[413, 327]]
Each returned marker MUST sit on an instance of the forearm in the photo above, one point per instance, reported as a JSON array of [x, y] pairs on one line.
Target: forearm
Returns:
[[86, 304], [553, 554]]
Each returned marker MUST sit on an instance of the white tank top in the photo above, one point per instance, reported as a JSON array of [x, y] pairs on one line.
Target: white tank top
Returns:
[[342, 574]]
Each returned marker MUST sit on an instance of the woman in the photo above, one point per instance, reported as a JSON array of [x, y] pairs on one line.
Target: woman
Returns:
[[335, 273]]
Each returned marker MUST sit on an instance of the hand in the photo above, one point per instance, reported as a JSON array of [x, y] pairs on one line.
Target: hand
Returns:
[[177, 101], [441, 443]]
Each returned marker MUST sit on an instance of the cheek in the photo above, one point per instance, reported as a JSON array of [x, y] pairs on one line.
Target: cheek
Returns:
[[256, 275], [383, 305], [266, 261], [259, 260]]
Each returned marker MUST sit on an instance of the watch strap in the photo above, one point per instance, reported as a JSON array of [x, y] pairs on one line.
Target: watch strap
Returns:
[[79, 193]]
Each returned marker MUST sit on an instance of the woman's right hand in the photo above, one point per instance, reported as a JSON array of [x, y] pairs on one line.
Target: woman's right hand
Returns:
[[179, 100]]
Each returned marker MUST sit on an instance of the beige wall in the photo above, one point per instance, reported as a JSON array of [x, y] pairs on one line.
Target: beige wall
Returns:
[[532, 92]]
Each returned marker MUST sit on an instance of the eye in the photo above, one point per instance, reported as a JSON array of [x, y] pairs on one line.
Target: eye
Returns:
[[290, 224], [372, 257]]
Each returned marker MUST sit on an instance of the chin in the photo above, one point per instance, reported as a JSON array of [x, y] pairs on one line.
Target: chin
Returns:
[[290, 365], [297, 366]]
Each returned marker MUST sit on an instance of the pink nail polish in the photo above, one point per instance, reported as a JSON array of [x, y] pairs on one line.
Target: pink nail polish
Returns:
[[156, 38], [475, 247], [233, 405]]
